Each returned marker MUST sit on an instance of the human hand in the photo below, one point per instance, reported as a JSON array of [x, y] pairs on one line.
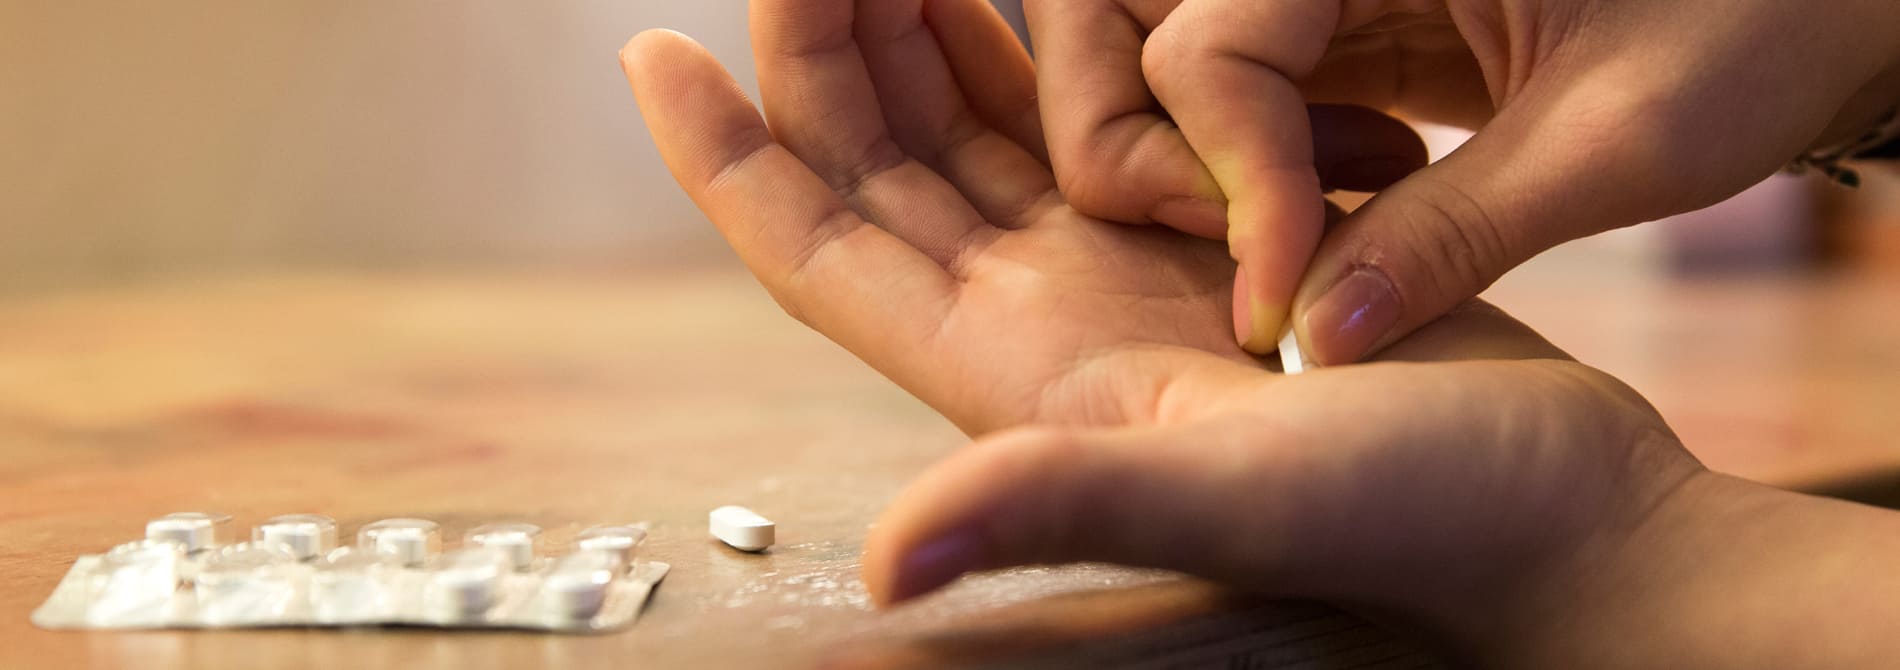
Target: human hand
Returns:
[[1591, 115], [1463, 496], [893, 207], [1462, 492], [1528, 513], [899, 204]]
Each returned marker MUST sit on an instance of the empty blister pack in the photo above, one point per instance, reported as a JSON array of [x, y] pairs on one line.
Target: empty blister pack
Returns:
[[185, 574]]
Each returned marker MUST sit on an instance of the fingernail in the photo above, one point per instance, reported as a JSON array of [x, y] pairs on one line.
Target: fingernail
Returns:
[[1347, 320], [1254, 323], [1368, 174], [1243, 307], [1194, 216], [936, 563]]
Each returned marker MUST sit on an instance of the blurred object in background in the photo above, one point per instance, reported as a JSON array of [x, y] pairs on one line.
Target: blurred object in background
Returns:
[[1768, 227], [156, 139], [1863, 228]]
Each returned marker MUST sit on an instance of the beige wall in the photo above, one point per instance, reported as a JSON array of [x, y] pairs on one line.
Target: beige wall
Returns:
[[142, 139]]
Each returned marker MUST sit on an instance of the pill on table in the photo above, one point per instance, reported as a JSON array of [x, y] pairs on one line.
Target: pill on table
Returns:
[[192, 531], [135, 583], [306, 536], [245, 583], [352, 585], [412, 541], [742, 528], [621, 542], [514, 539], [1292, 360], [577, 586], [467, 583]]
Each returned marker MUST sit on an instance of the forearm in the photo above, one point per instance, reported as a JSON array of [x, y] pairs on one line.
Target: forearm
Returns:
[[1728, 574]]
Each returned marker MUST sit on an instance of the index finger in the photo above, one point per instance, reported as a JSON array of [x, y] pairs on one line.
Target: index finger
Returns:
[[1227, 70], [1115, 154]]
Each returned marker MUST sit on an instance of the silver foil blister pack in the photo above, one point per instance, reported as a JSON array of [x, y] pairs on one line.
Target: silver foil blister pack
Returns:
[[293, 573]]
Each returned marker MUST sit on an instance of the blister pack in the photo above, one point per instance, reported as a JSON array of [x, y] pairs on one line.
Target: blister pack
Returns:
[[184, 574]]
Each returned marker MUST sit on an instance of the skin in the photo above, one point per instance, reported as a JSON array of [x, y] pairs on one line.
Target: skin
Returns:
[[1590, 115], [993, 300], [1475, 481]]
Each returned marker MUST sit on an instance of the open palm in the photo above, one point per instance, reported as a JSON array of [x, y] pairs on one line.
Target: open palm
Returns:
[[900, 203]]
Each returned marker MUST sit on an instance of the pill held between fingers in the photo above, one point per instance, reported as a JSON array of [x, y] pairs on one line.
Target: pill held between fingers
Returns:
[[742, 529], [1292, 360]]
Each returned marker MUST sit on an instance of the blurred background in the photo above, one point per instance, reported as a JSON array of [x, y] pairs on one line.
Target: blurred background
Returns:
[[174, 144], [153, 140]]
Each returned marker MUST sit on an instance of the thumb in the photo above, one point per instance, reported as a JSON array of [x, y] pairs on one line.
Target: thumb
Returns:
[[1185, 499], [1535, 177]]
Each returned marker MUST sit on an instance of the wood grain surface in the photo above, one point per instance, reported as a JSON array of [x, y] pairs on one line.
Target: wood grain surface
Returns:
[[562, 401], [573, 400]]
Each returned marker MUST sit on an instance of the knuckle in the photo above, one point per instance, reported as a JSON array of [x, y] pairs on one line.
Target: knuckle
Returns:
[[1458, 243], [1166, 56], [1122, 169], [789, 306], [1083, 183]]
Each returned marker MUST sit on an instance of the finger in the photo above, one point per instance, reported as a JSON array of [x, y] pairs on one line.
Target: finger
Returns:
[[1115, 155], [1439, 82], [1330, 494], [1360, 149], [993, 68], [1475, 330], [821, 104], [1042, 496], [1541, 173], [1243, 500], [930, 117], [801, 240], [1226, 70]]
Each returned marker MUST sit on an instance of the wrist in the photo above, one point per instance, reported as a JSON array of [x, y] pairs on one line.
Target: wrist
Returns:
[[1619, 581], [1515, 590], [1723, 573]]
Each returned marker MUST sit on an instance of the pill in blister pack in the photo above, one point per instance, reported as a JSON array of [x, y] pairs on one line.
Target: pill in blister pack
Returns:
[[185, 574]]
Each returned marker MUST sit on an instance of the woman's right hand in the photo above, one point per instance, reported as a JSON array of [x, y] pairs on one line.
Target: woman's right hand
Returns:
[[1591, 115]]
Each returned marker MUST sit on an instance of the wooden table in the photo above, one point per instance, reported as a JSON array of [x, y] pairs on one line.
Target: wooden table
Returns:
[[562, 401]]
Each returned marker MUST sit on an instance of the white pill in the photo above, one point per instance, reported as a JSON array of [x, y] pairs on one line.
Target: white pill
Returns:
[[1292, 360], [577, 586], [193, 531], [514, 539], [135, 583], [307, 536], [412, 541], [245, 583], [467, 583], [742, 528], [352, 585], [621, 542]]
